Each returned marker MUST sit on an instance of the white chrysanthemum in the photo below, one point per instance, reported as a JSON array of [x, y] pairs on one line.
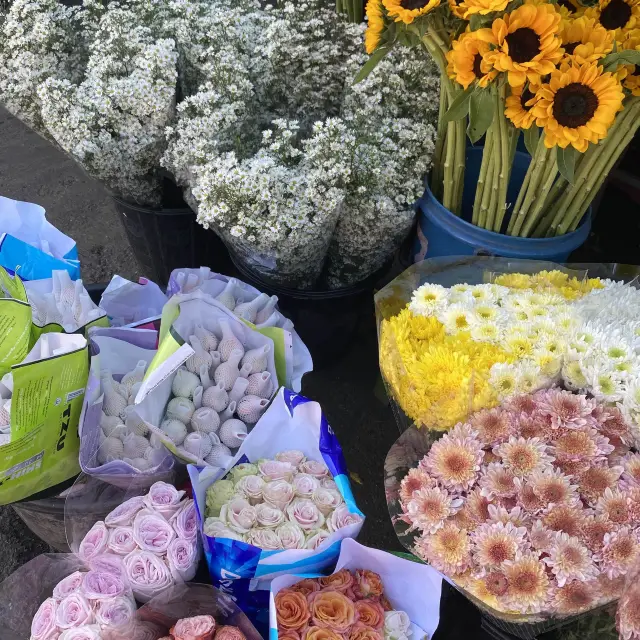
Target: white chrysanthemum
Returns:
[[428, 299], [456, 318], [529, 377], [486, 332], [504, 379]]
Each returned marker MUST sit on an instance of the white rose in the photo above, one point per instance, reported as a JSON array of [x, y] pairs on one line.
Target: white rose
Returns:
[[251, 487], [238, 515], [304, 485], [216, 528], [293, 456], [304, 513], [316, 539], [264, 539], [396, 625], [314, 468], [268, 517], [341, 517], [326, 500], [291, 536], [275, 470], [278, 493]]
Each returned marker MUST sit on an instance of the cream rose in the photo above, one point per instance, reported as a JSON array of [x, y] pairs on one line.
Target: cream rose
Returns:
[[341, 517], [215, 528], [305, 514], [291, 536], [397, 625], [278, 493], [251, 488], [264, 539], [316, 539], [304, 485], [326, 500], [268, 517], [314, 468], [238, 515], [293, 457], [275, 470]]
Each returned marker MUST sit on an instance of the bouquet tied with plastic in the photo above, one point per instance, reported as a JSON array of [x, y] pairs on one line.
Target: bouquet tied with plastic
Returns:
[[263, 515]]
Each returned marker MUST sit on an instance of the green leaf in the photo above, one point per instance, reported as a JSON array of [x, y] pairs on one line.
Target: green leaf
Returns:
[[481, 108], [460, 106], [371, 63], [531, 137], [566, 159], [614, 60]]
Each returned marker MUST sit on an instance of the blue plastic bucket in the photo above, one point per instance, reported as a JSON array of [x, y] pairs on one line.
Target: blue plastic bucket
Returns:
[[441, 233]]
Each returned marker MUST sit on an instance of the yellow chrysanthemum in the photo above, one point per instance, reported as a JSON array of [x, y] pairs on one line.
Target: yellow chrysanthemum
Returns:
[[620, 17], [483, 7], [458, 8], [578, 106], [408, 10], [467, 61], [632, 76], [585, 40], [375, 25], [518, 105], [550, 282], [526, 43]]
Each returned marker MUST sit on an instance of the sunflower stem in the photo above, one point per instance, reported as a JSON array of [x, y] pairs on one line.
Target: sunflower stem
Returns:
[[486, 194], [499, 159], [547, 183], [459, 165], [523, 190], [447, 196], [436, 170], [505, 153], [484, 175], [550, 202]]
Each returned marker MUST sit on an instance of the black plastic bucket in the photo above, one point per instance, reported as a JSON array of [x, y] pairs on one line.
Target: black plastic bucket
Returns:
[[326, 320], [166, 239]]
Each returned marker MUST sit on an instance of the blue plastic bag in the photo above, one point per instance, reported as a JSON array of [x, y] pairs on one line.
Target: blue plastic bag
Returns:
[[32, 246], [242, 570]]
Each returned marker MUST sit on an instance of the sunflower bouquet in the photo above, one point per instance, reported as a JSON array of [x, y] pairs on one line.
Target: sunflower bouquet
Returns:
[[563, 75]]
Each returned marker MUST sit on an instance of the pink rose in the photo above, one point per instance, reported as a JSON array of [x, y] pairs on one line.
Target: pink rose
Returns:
[[152, 532], [268, 516], [143, 631], [275, 470], [121, 541], [95, 542], [147, 573], [251, 487], [229, 633], [264, 539], [118, 612], [109, 563], [183, 557], [43, 626], [86, 632], [163, 498], [328, 483], [68, 585], [315, 540], [74, 611], [185, 522], [195, 628], [304, 485], [98, 585], [123, 515], [293, 457], [305, 514], [341, 517], [326, 499], [291, 536], [314, 468], [238, 515], [278, 493]]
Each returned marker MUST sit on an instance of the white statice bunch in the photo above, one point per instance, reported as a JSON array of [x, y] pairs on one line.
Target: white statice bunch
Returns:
[[39, 39], [113, 122], [278, 208]]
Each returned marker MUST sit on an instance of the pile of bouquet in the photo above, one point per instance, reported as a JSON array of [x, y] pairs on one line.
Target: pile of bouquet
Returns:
[[202, 628], [155, 536], [349, 605], [468, 347], [286, 503], [532, 507]]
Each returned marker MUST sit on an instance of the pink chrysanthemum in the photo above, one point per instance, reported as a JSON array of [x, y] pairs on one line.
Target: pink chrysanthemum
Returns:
[[633, 504], [610, 588], [497, 481], [613, 424], [516, 516], [631, 464], [524, 456], [566, 409], [572, 468], [524, 404], [528, 584], [575, 597], [540, 537], [527, 499], [553, 487], [580, 444], [476, 506], [570, 560], [428, 508], [628, 613], [448, 550], [455, 462], [535, 426], [565, 518], [493, 425], [496, 583], [594, 481], [497, 542], [414, 480], [614, 505], [619, 551], [593, 530]]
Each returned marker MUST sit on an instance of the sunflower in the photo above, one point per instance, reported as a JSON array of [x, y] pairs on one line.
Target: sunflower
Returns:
[[618, 16], [408, 10], [518, 105], [577, 106], [458, 8], [483, 7], [526, 41], [375, 25], [632, 79], [466, 58], [585, 40]]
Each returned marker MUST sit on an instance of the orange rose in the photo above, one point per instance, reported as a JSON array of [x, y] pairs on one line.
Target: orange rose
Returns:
[[339, 581], [288, 635], [386, 605], [363, 632], [368, 584], [292, 610], [332, 610], [370, 613], [306, 586], [318, 633]]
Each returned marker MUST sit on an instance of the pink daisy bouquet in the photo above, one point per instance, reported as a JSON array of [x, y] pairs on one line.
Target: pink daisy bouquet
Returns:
[[531, 508]]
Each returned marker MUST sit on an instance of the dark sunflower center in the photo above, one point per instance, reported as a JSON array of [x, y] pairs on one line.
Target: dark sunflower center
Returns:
[[615, 15], [570, 47], [524, 98], [574, 105], [524, 44], [476, 66], [567, 5], [636, 70], [411, 5]]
